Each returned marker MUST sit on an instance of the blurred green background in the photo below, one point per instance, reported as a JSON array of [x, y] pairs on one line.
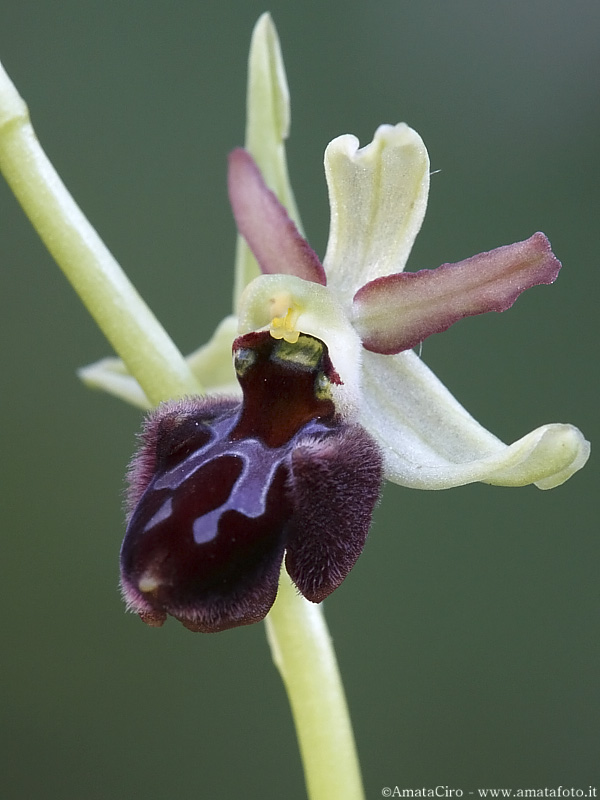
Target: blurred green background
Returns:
[[468, 632]]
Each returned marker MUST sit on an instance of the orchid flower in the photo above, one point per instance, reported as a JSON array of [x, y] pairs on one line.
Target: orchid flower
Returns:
[[323, 398], [333, 396], [221, 489]]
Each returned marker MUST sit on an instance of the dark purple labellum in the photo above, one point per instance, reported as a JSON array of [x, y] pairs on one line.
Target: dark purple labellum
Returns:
[[221, 489]]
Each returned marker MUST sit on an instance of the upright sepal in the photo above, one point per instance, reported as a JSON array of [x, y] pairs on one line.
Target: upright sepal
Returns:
[[378, 195], [267, 128]]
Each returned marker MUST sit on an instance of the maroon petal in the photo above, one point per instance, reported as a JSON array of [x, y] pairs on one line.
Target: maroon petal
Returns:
[[263, 222], [396, 312], [334, 483]]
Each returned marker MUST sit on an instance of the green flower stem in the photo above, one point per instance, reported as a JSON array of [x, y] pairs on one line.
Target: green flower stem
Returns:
[[107, 293], [304, 655]]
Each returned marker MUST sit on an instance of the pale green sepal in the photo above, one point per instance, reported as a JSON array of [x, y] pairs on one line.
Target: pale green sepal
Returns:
[[429, 441], [378, 197], [303, 652], [110, 375], [212, 364], [267, 127], [316, 313]]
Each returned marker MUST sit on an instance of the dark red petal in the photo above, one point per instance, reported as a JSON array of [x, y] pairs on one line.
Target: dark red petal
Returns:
[[396, 312], [263, 222], [334, 484]]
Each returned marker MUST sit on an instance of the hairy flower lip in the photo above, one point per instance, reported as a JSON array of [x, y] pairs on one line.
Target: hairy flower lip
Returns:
[[221, 489]]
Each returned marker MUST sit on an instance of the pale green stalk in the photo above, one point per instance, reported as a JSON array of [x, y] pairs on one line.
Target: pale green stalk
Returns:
[[122, 315], [296, 629], [303, 652]]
